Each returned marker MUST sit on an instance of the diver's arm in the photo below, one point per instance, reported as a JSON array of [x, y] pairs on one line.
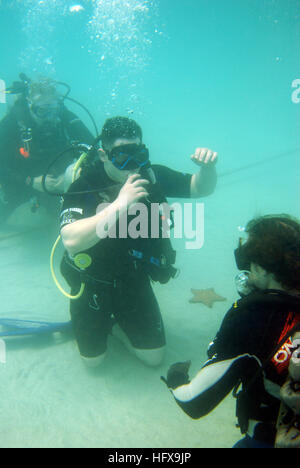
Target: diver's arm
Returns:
[[212, 384], [204, 182], [85, 233], [53, 184]]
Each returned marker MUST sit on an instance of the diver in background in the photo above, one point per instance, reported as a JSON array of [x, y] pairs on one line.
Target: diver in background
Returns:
[[33, 132], [118, 297], [253, 346]]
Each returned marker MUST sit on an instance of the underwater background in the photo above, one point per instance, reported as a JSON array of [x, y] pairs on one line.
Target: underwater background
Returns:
[[208, 73]]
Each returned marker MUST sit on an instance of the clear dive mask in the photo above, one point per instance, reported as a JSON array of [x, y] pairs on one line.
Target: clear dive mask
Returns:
[[46, 111]]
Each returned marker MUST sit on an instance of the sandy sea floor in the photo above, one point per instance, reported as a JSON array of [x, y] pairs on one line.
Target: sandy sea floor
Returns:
[[49, 399]]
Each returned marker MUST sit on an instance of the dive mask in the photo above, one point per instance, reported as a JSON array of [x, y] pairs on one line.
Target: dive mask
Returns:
[[241, 258], [129, 156], [45, 112]]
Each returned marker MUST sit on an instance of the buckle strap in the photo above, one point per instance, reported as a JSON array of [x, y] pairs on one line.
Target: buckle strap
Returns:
[[161, 263], [86, 278]]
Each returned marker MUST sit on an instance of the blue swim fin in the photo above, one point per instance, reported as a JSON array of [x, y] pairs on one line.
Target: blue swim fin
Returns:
[[17, 327]]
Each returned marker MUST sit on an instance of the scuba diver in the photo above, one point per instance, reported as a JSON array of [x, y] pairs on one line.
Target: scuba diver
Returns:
[[35, 129], [254, 344], [116, 271]]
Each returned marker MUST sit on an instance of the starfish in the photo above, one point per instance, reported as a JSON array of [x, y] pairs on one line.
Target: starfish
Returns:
[[206, 296]]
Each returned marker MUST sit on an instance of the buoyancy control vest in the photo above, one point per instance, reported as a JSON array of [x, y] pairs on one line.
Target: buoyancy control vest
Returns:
[[38, 145], [254, 401], [148, 252]]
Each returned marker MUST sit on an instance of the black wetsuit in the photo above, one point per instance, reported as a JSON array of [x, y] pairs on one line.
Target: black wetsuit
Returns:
[[19, 166], [118, 287], [250, 332]]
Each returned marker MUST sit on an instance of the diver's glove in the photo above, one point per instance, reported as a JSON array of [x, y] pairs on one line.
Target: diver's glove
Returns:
[[178, 375]]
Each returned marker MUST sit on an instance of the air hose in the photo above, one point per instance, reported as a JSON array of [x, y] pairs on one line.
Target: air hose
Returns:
[[69, 296], [78, 258]]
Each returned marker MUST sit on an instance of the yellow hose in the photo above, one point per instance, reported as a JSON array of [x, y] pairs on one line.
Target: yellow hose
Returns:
[[75, 170], [55, 279], [78, 164]]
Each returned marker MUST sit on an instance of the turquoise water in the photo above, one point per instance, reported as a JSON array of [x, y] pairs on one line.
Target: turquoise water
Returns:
[[193, 73]]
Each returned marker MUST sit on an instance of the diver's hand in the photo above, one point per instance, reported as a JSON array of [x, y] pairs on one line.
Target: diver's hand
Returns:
[[53, 184], [204, 157], [178, 375], [132, 191]]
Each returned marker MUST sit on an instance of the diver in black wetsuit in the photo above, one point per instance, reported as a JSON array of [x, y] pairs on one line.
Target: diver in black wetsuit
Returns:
[[34, 131], [254, 344], [118, 296]]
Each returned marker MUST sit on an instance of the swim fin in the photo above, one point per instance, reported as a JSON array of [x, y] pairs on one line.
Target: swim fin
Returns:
[[15, 327]]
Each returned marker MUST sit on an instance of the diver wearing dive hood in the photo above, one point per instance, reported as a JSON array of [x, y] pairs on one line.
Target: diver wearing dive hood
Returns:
[[117, 271], [35, 129], [254, 344]]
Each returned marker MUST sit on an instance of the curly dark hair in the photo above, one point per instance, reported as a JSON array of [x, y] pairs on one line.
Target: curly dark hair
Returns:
[[119, 127], [274, 244]]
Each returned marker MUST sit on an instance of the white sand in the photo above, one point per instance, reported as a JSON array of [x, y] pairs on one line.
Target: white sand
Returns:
[[49, 399]]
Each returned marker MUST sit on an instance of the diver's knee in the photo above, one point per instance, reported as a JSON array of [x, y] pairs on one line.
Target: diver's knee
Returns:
[[150, 357], [93, 362]]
